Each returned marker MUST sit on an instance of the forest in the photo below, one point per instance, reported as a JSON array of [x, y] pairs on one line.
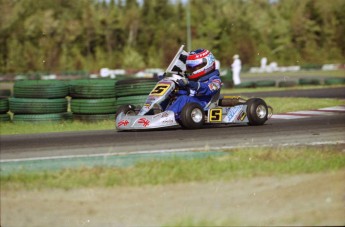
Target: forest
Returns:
[[65, 35]]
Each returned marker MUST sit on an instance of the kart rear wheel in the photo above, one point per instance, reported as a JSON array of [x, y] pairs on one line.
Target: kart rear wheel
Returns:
[[192, 116], [126, 109], [257, 111]]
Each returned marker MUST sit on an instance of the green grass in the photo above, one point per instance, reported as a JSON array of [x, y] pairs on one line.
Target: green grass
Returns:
[[239, 163], [280, 105], [230, 91], [8, 128], [299, 74]]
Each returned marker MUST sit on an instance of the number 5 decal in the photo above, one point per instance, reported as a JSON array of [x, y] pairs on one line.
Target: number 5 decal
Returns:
[[215, 115], [160, 89]]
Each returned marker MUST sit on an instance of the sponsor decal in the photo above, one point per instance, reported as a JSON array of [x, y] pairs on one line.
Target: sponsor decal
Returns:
[[214, 85], [144, 122], [232, 112], [165, 114], [241, 116], [123, 123]]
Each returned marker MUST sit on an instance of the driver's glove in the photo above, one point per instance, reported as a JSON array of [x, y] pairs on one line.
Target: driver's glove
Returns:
[[186, 83]]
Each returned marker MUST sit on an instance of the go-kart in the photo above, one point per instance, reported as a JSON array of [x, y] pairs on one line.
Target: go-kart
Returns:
[[220, 110], [224, 110]]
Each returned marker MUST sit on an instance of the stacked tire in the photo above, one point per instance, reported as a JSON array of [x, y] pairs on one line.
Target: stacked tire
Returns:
[[93, 99], [39, 101], [4, 108], [133, 91]]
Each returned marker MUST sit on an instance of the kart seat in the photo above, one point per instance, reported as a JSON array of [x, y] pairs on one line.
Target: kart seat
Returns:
[[213, 102]]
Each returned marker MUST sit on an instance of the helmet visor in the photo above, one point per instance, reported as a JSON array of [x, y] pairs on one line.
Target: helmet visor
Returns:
[[193, 65]]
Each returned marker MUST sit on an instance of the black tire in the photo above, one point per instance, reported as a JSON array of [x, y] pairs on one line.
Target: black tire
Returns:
[[257, 111], [192, 116], [127, 109]]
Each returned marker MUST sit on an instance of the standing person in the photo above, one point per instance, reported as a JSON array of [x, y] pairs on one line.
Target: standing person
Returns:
[[202, 82], [236, 69]]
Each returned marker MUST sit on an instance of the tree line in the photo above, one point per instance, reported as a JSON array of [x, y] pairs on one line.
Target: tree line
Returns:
[[61, 35]]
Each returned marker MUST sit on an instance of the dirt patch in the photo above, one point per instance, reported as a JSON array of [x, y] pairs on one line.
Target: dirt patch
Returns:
[[309, 199]]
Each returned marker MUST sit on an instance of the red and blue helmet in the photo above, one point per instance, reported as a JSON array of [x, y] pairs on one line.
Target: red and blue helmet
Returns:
[[199, 63]]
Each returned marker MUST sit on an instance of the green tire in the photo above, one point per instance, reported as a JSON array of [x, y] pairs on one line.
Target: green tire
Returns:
[[308, 81], [93, 117], [57, 117], [4, 105], [5, 117], [93, 88], [334, 81], [248, 84], [93, 106], [287, 84], [38, 106], [40, 89], [133, 100], [134, 87], [265, 83]]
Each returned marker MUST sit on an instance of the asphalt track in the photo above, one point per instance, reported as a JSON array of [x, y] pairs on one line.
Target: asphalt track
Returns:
[[320, 129]]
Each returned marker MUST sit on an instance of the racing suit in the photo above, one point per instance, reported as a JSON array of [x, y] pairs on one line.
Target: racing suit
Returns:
[[200, 92]]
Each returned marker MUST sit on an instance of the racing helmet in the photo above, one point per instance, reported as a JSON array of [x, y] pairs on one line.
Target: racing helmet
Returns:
[[199, 63]]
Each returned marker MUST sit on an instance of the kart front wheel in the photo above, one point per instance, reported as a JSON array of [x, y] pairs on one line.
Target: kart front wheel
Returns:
[[192, 116], [257, 111], [126, 109]]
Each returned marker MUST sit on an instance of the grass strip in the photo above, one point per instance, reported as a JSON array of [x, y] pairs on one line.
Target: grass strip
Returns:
[[238, 163]]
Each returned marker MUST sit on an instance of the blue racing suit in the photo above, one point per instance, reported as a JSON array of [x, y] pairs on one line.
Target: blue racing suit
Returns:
[[201, 92]]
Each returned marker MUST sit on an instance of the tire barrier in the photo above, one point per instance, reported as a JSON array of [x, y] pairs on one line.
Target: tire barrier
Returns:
[[37, 106], [4, 105], [56, 117], [265, 83], [249, 84], [5, 117], [40, 89], [133, 100], [93, 117], [334, 81], [287, 83], [92, 88], [132, 87], [39, 100], [5, 92], [93, 106], [93, 100], [307, 81]]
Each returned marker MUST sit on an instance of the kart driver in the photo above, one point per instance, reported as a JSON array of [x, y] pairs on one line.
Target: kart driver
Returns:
[[202, 82]]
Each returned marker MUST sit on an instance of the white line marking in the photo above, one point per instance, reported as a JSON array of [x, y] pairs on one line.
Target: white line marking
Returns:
[[287, 117], [334, 108], [312, 112]]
